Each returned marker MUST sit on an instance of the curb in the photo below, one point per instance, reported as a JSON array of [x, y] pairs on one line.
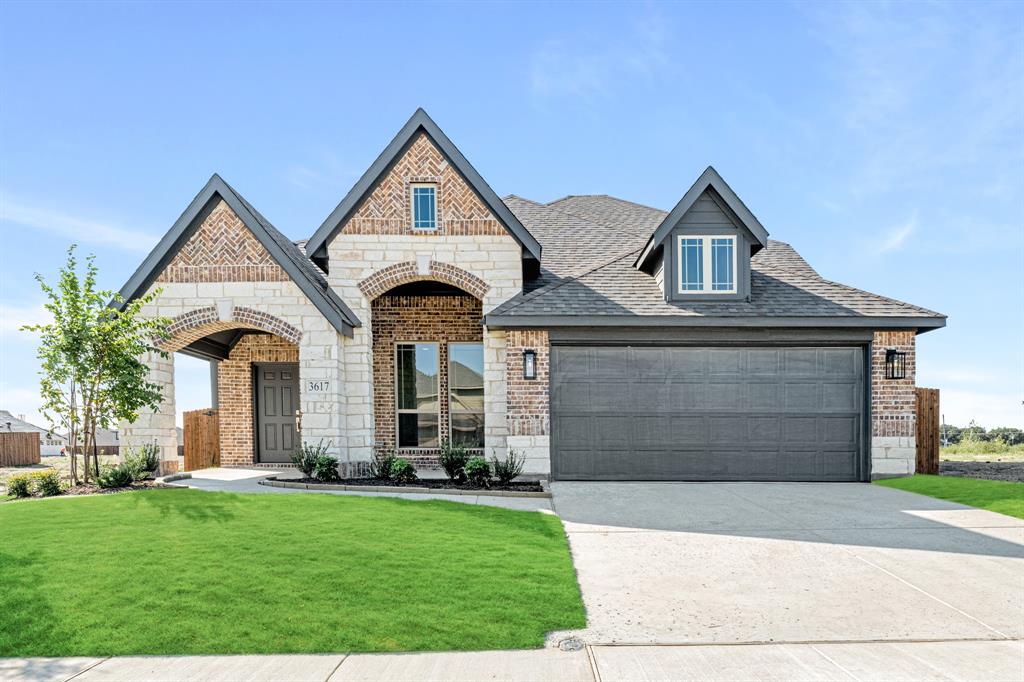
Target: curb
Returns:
[[418, 490]]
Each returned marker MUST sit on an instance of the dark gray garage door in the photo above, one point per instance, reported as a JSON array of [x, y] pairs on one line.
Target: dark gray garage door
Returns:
[[757, 414]]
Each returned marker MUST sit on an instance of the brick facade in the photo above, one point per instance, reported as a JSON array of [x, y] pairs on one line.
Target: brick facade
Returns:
[[893, 401], [234, 393], [388, 209], [222, 250], [893, 407], [402, 273], [528, 400], [395, 319]]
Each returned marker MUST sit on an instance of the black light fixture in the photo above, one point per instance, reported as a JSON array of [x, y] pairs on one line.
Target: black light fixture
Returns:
[[895, 364], [529, 364]]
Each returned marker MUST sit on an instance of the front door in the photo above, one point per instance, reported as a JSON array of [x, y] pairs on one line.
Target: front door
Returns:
[[277, 399]]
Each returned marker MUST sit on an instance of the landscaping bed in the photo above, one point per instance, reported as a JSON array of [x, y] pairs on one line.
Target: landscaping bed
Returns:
[[421, 485]]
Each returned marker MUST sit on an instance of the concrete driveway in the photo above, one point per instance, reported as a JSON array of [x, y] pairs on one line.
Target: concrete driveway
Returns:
[[685, 563]]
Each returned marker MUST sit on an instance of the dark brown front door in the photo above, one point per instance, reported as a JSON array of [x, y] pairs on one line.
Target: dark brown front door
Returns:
[[277, 399]]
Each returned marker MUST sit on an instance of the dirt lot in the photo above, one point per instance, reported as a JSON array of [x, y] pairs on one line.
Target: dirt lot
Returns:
[[994, 471]]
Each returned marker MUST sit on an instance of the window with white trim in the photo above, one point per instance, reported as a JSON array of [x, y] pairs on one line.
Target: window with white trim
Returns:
[[424, 206], [706, 264]]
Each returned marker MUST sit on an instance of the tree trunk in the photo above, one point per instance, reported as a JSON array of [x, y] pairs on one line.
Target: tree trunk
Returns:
[[95, 454]]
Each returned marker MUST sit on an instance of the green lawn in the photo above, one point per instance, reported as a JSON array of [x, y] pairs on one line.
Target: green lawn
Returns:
[[998, 496], [193, 572]]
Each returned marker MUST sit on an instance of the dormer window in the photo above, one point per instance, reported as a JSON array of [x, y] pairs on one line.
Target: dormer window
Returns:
[[707, 264], [424, 206]]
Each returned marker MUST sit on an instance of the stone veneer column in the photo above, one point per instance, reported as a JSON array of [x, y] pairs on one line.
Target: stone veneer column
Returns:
[[528, 410], [157, 426], [495, 394], [893, 408]]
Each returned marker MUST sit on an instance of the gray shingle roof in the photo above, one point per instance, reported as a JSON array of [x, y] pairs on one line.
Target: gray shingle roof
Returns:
[[592, 242]]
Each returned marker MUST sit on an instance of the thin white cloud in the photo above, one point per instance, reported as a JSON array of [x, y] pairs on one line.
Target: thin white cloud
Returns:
[[898, 235], [79, 229], [23, 400], [13, 317], [591, 67]]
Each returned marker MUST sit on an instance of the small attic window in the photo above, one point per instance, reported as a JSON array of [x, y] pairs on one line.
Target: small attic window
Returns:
[[706, 264], [424, 206]]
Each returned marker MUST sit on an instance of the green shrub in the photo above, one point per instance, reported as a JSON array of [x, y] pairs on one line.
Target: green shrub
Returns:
[[143, 462], [453, 460], [47, 483], [402, 471], [325, 468], [305, 457], [380, 467], [478, 471], [19, 485], [117, 476], [507, 469]]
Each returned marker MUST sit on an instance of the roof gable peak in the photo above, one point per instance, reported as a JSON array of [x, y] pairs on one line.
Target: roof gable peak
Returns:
[[419, 122], [709, 179]]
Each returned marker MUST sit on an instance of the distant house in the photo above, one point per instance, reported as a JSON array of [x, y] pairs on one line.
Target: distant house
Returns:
[[12, 424]]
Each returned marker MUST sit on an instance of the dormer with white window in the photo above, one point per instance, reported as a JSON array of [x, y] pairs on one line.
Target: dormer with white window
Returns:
[[702, 250]]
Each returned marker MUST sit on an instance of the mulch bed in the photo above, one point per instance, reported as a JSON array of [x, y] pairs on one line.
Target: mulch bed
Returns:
[[82, 489], [432, 483], [992, 471]]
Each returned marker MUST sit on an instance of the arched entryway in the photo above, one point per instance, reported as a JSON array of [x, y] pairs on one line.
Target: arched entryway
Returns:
[[428, 368], [254, 385]]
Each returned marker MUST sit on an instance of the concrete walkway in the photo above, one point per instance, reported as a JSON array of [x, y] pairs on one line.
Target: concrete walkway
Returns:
[[971, 660], [247, 481]]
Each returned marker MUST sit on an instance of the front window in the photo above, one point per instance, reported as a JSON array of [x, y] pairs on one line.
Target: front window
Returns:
[[424, 207], [707, 264], [416, 371], [466, 388]]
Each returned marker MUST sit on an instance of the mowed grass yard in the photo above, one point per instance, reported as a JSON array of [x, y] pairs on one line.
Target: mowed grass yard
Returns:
[[998, 496], [193, 572]]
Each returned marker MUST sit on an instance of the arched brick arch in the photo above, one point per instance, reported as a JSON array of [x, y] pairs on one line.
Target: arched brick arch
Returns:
[[392, 276], [195, 324]]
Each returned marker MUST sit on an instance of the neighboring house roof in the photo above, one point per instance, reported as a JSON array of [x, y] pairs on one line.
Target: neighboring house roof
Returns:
[[588, 278], [287, 254], [10, 423], [709, 179], [420, 121]]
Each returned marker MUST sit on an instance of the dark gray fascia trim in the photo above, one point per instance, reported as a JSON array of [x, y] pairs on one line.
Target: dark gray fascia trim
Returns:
[[921, 324], [171, 242], [420, 120], [709, 178], [767, 336]]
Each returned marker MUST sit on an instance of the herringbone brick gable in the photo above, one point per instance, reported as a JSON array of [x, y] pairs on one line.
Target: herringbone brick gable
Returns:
[[388, 208], [222, 249]]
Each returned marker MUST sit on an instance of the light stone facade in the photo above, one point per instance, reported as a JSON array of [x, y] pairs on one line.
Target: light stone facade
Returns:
[[320, 354]]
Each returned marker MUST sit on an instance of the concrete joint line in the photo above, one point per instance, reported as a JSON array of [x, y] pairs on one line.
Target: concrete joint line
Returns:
[[82, 672], [830, 660], [1003, 635], [594, 670], [335, 670]]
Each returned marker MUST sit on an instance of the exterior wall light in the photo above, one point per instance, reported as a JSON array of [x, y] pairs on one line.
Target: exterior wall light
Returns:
[[529, 364], [895, 364]]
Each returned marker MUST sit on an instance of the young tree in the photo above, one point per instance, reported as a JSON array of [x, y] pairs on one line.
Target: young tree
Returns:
[[92, 373]]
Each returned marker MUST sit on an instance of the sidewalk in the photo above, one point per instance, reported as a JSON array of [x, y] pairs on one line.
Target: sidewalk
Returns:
[[989, 660]]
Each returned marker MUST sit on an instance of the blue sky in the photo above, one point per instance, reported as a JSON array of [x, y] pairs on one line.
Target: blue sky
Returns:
[[884, 141]]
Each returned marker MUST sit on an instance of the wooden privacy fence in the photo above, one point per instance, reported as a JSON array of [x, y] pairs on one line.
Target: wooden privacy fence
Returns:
[[19, 449], [928, 436], [202, 439]]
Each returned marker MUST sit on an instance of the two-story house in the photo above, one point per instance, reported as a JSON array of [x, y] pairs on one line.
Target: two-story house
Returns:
[[603, 339]]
